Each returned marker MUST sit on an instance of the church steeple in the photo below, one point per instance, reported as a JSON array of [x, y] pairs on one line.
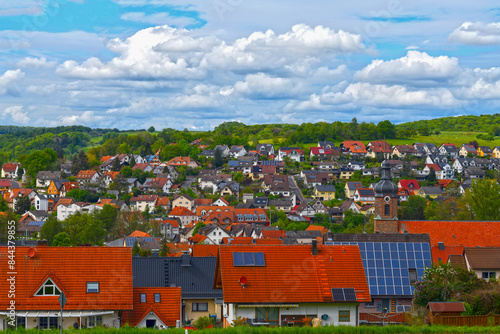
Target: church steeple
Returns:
[[386, 202]]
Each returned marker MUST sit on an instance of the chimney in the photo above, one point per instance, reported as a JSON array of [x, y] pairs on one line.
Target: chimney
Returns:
[[185, 259], [441, 245], [314, 247], [42, 243]]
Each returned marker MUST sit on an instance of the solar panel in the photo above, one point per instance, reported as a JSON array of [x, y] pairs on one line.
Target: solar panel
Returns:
[[259, 259], [338, 295], [238, 259], [248, 259], [349, 295]]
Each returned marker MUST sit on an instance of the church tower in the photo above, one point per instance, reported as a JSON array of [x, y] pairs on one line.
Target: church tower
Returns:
[[386, 202]]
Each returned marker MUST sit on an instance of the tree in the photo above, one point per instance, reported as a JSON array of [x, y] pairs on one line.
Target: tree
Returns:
[[50, 229], [115, 167], [151, 129], [38, 160], [483, 198], [61, 240], [218, 160], [108, 216], [413, 208], [23, 204], [197, 227], [431, 178]]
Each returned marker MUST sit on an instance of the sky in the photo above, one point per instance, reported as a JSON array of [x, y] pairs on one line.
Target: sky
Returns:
[[132, 64]]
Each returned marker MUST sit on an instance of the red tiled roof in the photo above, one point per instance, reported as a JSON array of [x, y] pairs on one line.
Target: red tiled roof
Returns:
[[168, 309], [106, 158], [291, 274], [179, 161], [409, 184], [456, 233], [205, 250], [139, 234], [140, 166], [181, 211], [85, 174], [162, 201], [273, 234], [443, 255], [70, 268], [9, 167], [111, 174], [351, 143], [172, 222], [144, 198], [434, 166], [203, 201], [197, 238], [444, 183], [320, 150]]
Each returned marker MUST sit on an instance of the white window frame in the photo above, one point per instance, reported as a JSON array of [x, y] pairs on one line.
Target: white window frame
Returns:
[[43, 289], [91, 287]]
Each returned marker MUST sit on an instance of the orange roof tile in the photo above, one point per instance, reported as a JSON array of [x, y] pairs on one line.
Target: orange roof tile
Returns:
[[106, 158], [197, 238], [139, 234], [168, 309], [274, 234], [205, 250], [172, 222], [301, 278], [85, 174], [443, 255], [70, 268], [203, 201], [179, 161], [456, 233], [162, 201], [316, 228], [140, 166], [181, 211], [10, 167]]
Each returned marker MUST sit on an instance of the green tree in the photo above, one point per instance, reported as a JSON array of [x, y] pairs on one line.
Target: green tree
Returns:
[[23, 204], [61, 240], [431, 178], [108, 216], [38, 160], [50, 229], [197, 227], [115, 167], [78, 195], [483, 198], [413, 208], [151, 129], [218, 160]]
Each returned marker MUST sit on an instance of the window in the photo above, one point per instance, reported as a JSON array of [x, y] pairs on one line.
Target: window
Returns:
[[371, 304], [92, 287], [143, 298], [21, 322], [387, 210], [413, 275], [200, 307], [94, 320], [48, 322], [48, 289], [489, 275], [248, 259], [267, 314], [344, 316], [157, 298]]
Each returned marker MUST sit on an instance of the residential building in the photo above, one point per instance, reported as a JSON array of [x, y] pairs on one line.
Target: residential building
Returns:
[[324, 193], [294, 153], [143, 203]]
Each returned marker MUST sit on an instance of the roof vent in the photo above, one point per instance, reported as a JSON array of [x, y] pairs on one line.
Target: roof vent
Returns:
[[314, 247], [185, 260]]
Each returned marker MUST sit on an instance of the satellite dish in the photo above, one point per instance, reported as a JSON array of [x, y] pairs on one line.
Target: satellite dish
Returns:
[[243, 280], [32, 252]]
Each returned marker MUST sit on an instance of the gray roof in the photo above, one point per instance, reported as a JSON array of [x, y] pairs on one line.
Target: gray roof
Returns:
[[431, 190], [195, 275], [325, 188]]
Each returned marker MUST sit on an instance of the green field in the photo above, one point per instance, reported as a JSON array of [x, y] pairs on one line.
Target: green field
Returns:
[[286, 330]]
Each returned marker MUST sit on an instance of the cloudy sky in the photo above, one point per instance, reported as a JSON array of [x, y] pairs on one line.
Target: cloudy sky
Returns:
[[195, 63]]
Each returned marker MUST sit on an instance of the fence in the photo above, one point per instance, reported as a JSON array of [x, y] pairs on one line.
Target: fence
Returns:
[[385, 317], [471, 320]]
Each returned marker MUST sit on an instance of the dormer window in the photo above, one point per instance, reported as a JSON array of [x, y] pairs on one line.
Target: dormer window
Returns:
[[48, 289], [92, 287]]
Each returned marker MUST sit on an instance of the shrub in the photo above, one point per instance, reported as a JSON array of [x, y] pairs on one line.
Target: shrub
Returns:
[[203, 322]]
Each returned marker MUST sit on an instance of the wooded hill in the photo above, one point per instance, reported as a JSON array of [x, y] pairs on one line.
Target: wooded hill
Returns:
[[483, 123]]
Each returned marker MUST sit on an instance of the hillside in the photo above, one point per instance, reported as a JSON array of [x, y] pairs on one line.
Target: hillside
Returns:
[[483, 123]]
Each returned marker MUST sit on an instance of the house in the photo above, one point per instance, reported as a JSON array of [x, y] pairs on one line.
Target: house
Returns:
[[220, 202], [467, 149], [43, 178], [96, 294], [483, 151], [251, 216], [320, 152], [294, 153], [324, 193], [228, 188], [350, 188], [143, 203], [410, 185], [87, 177], [351, 147], [474, 173], [10, 170], [356, 165], [402, 151], [169, 227], [345, 173], [159, 185], [326, 144], [119, 204], [224, 149], [378, 147], [237, 151], [485, 262], [329, 284], [393, 263], [460, 164], [496, 152], [449, 149], [364, 195], [214, 232], [484, 163], [265, 149], [145, 167], [432, 192], [192, 275], [183, 161], [185, 201], [185, 216]]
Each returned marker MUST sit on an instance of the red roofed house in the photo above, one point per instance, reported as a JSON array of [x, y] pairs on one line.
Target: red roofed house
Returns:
[[155, 307], [141, 202], [183, 161], [442, 253], [379, 147], [411, 185], [353, 147], [97, 283], [9, 170], [88, 176], [145, 167], [185, 216], [280, 285], [320, 152]]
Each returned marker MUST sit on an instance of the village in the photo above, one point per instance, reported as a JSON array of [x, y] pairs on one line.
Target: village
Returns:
[[267, 236]]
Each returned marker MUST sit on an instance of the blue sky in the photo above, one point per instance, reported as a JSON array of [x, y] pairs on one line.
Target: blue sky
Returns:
[[194, 64]]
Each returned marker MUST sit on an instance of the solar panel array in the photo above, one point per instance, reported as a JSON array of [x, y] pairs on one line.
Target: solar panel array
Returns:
[[248, 259], [386, 265], [344, 295]]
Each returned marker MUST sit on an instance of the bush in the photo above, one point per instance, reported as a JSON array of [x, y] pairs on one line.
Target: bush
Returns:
[[203, 322]]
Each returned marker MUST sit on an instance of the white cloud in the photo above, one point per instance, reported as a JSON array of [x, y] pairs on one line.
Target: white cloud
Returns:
[[158, 19], [415, 65], [88, 118], [264, 86], [18, 115], [36, 62], [41, 90], [8, 79], [476, 33]]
